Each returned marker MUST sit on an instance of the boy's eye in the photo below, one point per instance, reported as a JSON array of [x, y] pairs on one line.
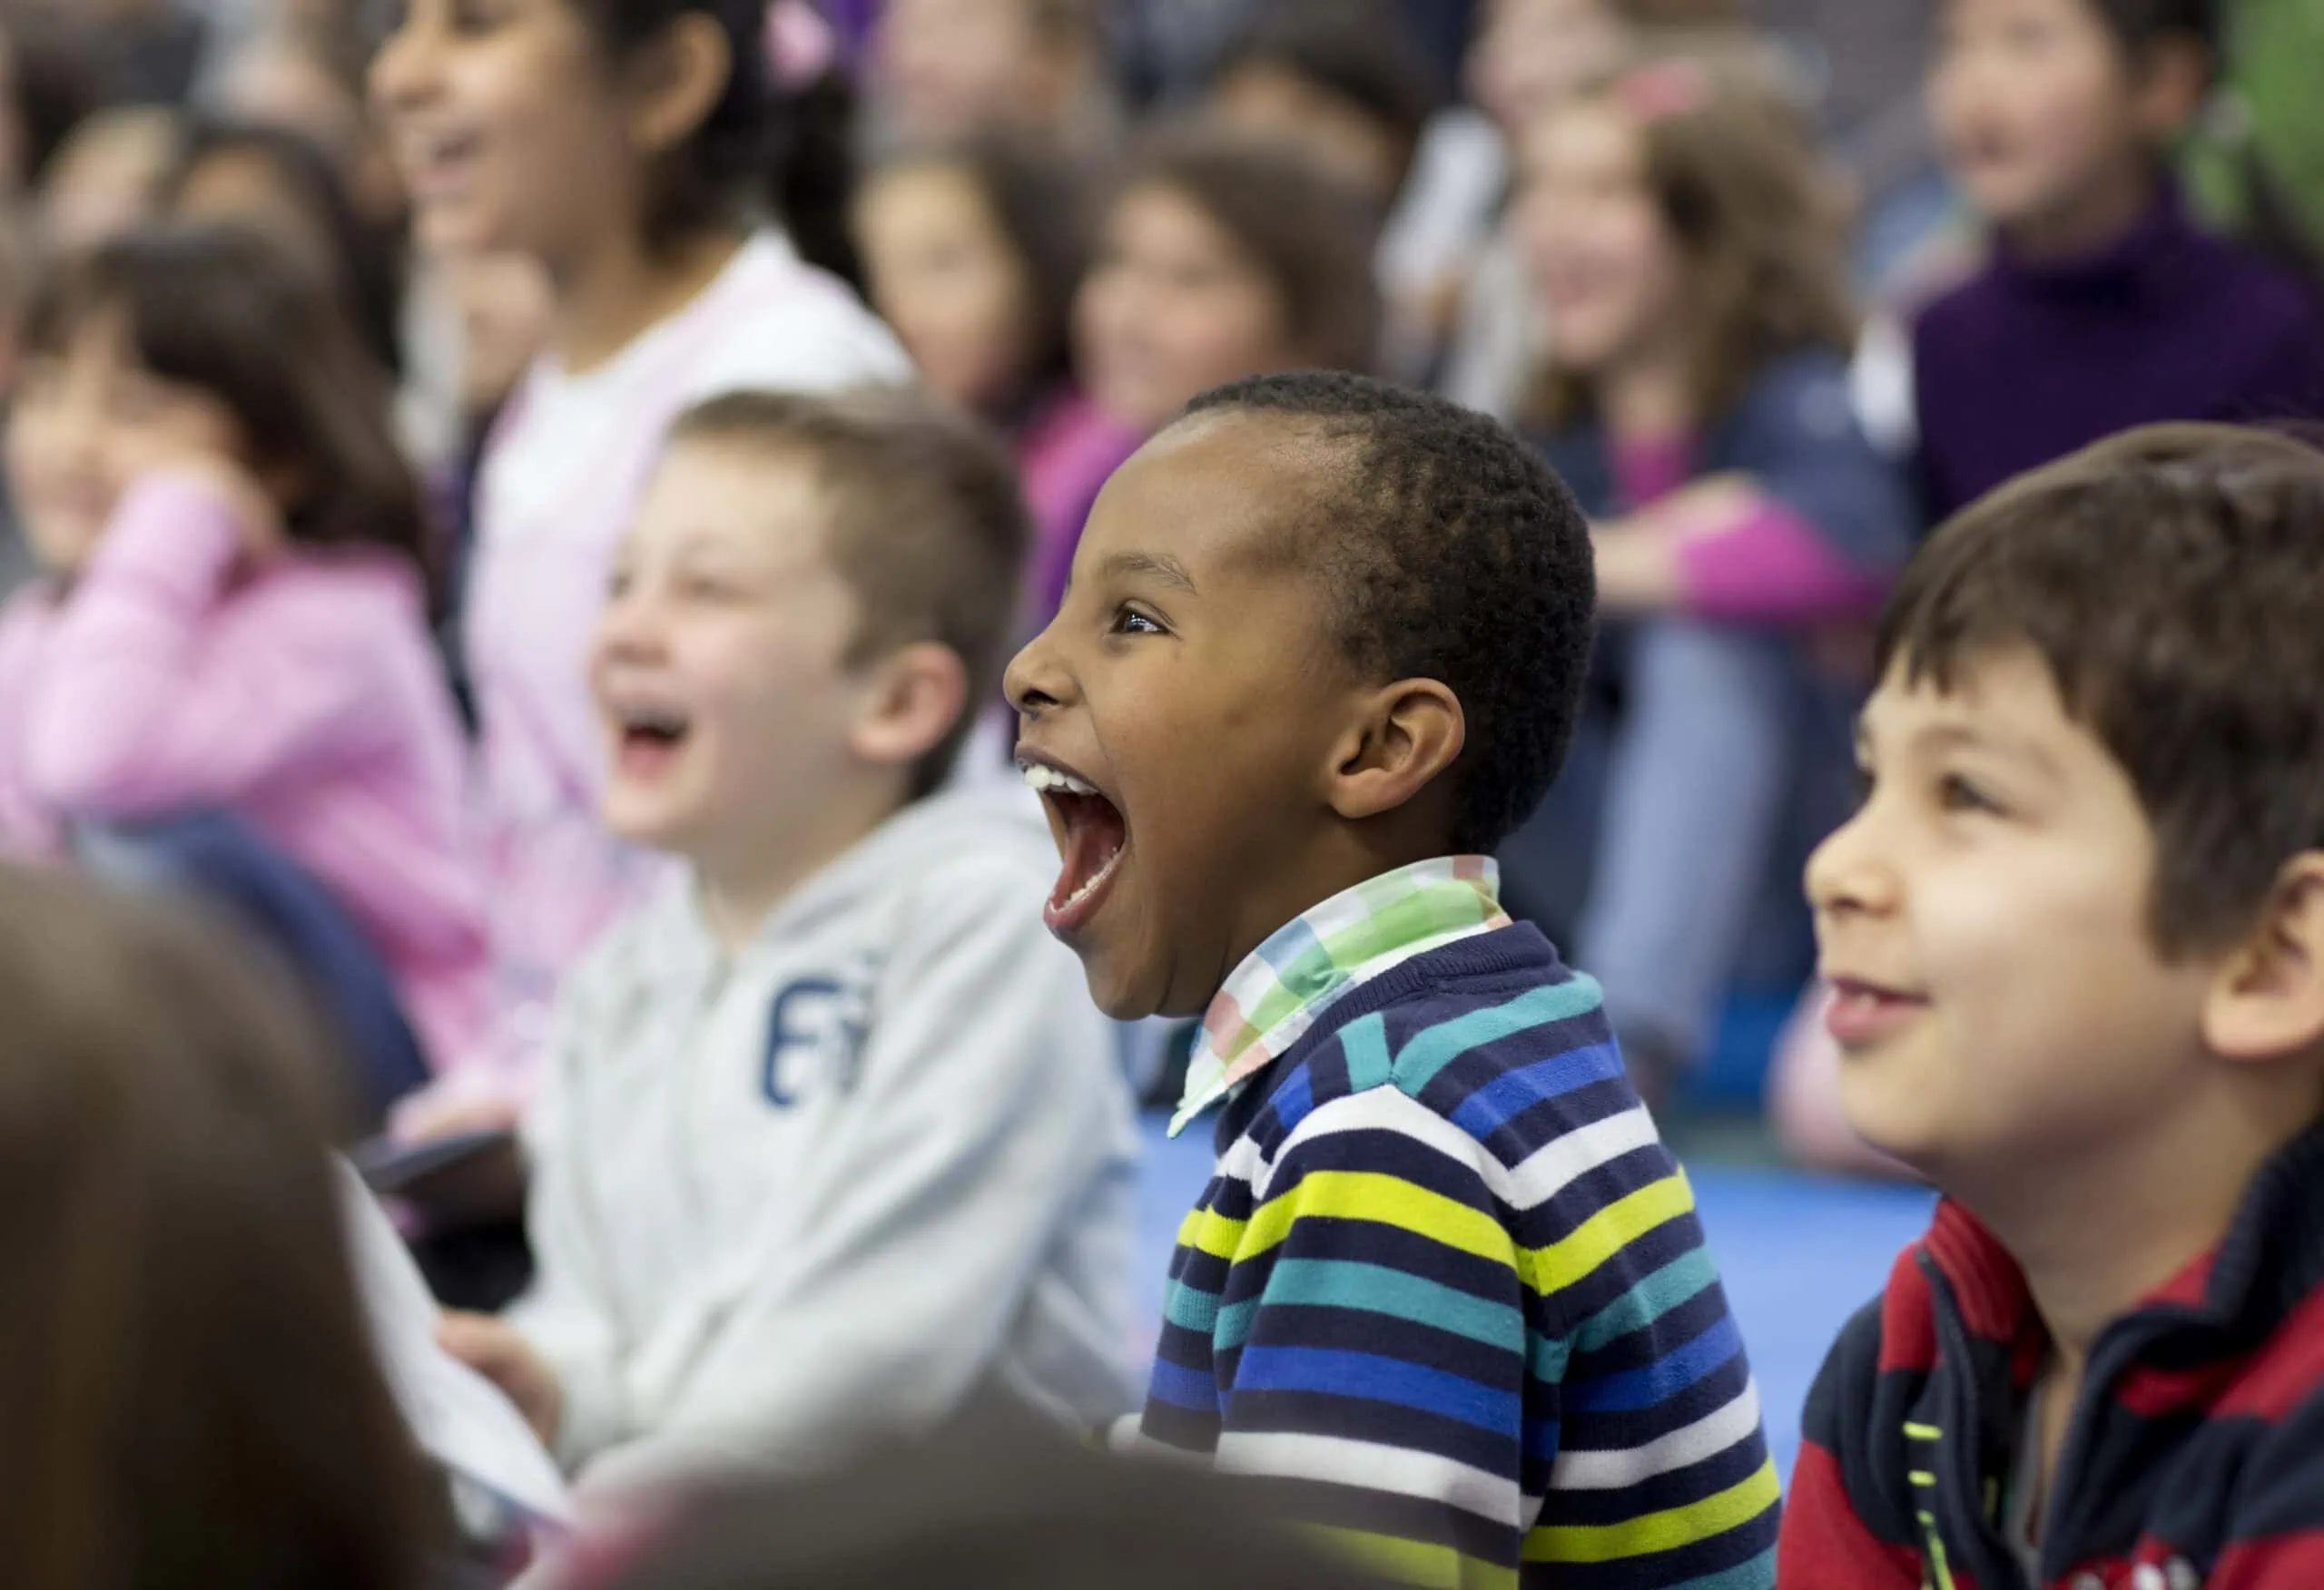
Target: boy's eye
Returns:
[[1129, 620], [1955, 793]]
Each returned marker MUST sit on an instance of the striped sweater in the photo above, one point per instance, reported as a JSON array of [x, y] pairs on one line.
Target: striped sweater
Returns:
[[2195, 1456], [1448, 1285]]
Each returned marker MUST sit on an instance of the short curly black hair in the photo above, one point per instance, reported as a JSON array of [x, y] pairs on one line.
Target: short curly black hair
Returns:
[[1452, 552]]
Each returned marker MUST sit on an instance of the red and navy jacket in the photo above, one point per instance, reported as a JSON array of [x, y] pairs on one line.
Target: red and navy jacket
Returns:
[[2195, 1456]]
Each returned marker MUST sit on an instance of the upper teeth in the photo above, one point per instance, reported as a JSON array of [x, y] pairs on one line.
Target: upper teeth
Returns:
[[1042, 777]]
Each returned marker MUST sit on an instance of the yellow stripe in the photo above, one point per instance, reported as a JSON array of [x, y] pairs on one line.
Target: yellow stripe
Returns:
[[1653, 1532], [1921, 1476], [1211, 1232], [1604, 1234], [1389, 1201], [1415, 1562], [1921, 1432]]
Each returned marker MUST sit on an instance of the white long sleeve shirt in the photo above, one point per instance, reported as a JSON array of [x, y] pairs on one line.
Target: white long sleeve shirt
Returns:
[[830, 1187]]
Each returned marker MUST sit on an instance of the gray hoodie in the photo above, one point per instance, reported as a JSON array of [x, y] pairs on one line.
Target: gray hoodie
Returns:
[[829, 1188]]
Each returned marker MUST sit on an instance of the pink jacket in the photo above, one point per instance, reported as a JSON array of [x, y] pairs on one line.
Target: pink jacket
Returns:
[[302, 696]]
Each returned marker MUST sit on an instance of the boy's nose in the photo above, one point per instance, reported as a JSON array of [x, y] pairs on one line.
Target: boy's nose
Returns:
[[1844, 875], [1036, 681], [629, 630]]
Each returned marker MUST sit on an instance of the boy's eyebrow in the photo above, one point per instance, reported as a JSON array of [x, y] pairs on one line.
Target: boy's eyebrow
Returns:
[[1161, 566], [1963, 736]]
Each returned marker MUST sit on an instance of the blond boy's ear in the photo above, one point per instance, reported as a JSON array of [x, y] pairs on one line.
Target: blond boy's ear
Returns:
[[910, 701], [1402, 736], [2268, 1003]]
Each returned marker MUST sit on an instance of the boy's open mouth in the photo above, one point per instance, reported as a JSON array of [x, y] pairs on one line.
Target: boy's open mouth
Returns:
[[1091, 836], [648, 738]]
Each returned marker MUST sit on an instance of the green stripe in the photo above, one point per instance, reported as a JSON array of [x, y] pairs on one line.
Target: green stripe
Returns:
[[1546, 1355], [1191, 1308], [1433, 1048], [1375, 1289], [1419, 914], [1364, 1042], [1755, 1574], [1234, 1327], [1679, 1281]]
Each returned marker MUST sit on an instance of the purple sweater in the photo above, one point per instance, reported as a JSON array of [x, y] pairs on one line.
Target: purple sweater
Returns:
[[2023, 364]]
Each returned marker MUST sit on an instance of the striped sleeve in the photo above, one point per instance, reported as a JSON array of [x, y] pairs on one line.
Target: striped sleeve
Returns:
[[1372, 1345]]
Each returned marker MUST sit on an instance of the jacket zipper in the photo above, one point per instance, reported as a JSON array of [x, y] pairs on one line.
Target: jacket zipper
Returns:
[[1955, 1501]]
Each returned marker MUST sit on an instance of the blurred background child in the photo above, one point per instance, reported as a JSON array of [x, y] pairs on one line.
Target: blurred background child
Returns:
[[230, 654], [628, 147], [2103, 304], [1220, 257], [973, 252], [1526, 58], [1697, 399]]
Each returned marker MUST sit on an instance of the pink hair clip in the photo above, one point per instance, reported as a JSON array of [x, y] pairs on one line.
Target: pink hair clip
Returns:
[[1663, 89], [801, 46]]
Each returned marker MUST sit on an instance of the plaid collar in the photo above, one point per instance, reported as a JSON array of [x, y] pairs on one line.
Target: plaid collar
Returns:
[[1312, 962]]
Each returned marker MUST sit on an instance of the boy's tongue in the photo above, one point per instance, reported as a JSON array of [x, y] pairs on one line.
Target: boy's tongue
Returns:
[[1094, 832]]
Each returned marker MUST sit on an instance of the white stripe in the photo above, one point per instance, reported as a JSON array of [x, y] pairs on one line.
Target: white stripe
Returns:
[[1378, 1109], [1565, 1158], [1540, 1176], [1706, 1438], [1395, 1470]]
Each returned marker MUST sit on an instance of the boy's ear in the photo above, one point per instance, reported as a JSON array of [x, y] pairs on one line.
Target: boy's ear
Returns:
[[2173, 81], [1404, 734], [679, 81], [2268, 1001], [910, 703]]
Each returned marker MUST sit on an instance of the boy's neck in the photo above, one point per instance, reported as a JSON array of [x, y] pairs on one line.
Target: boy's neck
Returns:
[[2097, 1231], [607, 298], [741, 885], [2088, 221]]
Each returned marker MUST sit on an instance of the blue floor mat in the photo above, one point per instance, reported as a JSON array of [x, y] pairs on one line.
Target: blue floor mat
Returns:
[[1800, 1253]]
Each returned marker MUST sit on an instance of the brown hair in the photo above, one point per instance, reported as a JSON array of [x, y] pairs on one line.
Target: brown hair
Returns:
[[927, 525], [1310, 235], [226, 311], [2172, 579], [1732, 165], [185, 1375]]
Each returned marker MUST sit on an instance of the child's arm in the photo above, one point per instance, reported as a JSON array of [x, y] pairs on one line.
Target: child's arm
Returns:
[[989, 1101], [567, 1316], [1805, 525], [1404, 1361], [133, 712]]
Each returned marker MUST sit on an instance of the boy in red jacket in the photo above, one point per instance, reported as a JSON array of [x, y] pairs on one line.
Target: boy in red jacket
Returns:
[[2076, 936]]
